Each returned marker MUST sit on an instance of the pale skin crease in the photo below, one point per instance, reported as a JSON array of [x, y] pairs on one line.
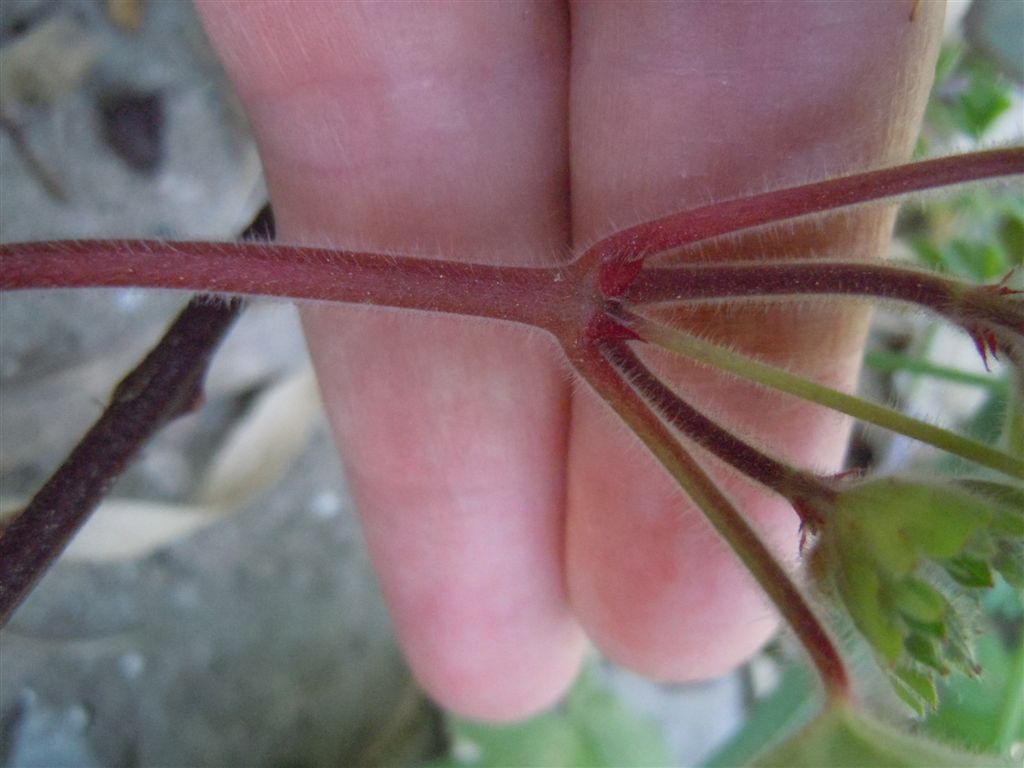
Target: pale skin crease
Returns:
[[507, 512]]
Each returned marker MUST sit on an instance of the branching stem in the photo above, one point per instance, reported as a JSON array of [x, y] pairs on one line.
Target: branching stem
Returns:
[[766, 375], [595, 367], [957, 300], [566, 300], [620, 257], [808, 493]]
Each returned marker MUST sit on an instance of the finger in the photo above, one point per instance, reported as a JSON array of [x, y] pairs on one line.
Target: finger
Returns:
[[673, 106], [433, 129]]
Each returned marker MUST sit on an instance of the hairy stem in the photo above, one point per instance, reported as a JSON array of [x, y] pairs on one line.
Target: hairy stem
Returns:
[[744, 541], [544, 297], [776, 378], [892, 362], [809, 494], [968, 305], [166, 384], [620, 257]]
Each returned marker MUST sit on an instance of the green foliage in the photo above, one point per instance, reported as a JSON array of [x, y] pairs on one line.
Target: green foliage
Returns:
[[792, 704], [590, 728], [909, 560], [983, 714], [842, 736], [987, 713], [978, 234], [969, 95]]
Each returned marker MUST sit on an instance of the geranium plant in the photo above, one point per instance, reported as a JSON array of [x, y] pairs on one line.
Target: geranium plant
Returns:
[[893, 560]]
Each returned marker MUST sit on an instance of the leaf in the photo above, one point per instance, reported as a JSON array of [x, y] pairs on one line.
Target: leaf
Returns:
[[789, 706], [614, 736], [969, 571], [896, 549], [861, 587], [923, 650], [1009, 497], [958, 649], [547, 740], [842, 737], [591, 728], [916, 688], [1009, 561], [985, 100], [902, 519], [987, 712], [1006, 502], [918, 601]]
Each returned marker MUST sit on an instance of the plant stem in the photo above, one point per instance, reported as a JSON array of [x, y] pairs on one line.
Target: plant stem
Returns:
[[166, 384], [893, 362], [810, 495], [744, 541], [776, 378], [620, 256], [988, 313], [758, 279], [543, 297]]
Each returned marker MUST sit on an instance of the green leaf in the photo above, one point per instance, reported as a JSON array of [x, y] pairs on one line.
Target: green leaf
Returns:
[[791, 705], [884, 547], [614, 736], [1007, 505], [979, 259], [969, 571], [1007, 497], [842, 737], [591, 728], [987, 713], [916, 688], [1009, 561], [985, 100], [902, 519], [951, 520], [949, 58], [544, 740], [861, 587], [1011, 234], [958, 648], [923, 650], [918, 601]]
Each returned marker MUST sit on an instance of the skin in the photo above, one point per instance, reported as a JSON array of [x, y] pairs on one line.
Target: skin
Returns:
[[508, 514]]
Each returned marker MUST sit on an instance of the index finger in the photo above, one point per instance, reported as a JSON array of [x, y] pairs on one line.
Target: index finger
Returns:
[[427, 129]]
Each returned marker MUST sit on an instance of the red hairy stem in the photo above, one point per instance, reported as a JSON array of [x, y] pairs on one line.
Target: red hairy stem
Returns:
[[166, 384], [957, 300], [741, 537], [543, 297], [807, 492], [620, 257]]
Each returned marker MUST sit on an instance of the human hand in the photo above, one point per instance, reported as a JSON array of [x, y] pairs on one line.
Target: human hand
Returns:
[[506, 510]]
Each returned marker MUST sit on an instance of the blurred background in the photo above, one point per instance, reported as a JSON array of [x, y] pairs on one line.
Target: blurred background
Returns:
[[219, 608]]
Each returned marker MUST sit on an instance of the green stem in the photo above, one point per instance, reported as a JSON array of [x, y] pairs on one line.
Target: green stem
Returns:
[[891, 362], [1012, 709], [777, 378], [741, 537]]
